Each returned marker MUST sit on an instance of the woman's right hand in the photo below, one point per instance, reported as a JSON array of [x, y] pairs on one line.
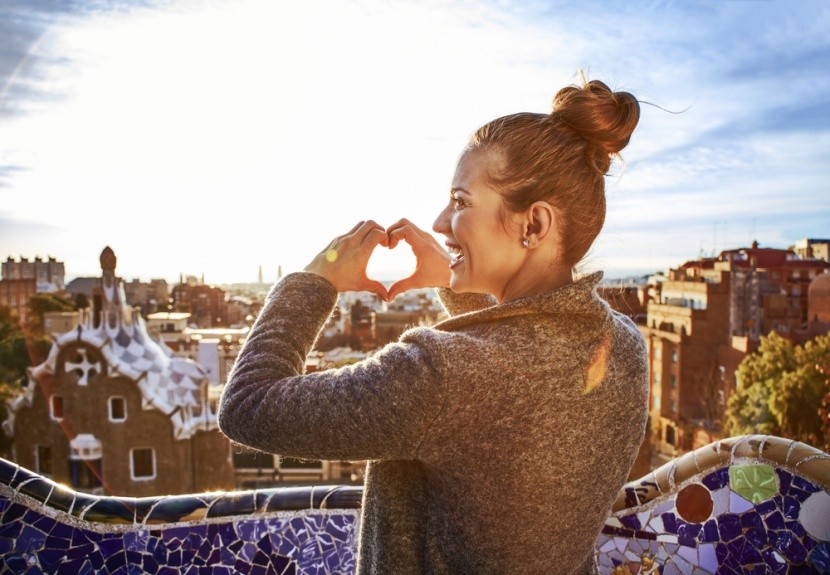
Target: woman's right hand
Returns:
[[432, 267], [344, 261]]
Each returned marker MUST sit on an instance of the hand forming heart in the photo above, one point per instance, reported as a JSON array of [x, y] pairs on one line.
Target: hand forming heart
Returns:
[[344, 260]]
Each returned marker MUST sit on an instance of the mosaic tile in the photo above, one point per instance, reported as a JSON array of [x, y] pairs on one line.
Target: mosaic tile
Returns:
[[694, 503], [754, 482], [724, 520]]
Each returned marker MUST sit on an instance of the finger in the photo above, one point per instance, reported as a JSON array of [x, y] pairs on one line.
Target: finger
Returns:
[[397, 235], [354, 229], [401, 286], [365, 229], [376, 288], [375, 237]]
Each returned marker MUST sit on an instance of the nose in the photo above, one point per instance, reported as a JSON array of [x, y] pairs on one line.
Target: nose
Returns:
[[441, 224]]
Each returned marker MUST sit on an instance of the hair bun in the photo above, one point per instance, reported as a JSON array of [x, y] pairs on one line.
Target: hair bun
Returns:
[[604, 118]]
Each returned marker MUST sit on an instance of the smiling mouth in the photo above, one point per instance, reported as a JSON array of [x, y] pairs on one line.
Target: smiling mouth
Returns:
[[457, 255]]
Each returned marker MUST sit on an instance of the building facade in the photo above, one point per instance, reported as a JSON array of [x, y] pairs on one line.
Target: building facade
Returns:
[[705, 317], [48, 274], [111, 411]]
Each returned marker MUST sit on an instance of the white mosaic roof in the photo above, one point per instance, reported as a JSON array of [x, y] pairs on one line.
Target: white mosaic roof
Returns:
[[176, 386]]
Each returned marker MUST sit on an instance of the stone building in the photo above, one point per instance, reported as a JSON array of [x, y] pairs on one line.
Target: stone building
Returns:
[[48, 274], [111, 411]]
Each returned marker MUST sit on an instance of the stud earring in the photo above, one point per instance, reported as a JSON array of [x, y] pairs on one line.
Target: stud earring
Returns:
[[526, 243]]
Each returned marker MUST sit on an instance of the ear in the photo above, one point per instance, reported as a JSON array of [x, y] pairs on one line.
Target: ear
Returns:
[[539, 222]]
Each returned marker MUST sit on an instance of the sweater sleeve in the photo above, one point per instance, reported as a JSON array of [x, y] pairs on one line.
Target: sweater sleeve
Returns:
[[379, 408], [458, 303]]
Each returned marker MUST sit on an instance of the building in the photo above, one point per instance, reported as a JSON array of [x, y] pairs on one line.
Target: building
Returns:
[[48, 274], [148, 296], [206, 303], [58, 322], [704, 318], [809, 248], [15, 293], [683, 330], [112, 411]]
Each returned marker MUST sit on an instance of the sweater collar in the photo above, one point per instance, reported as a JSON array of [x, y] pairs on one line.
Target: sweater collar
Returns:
[[576, 298]]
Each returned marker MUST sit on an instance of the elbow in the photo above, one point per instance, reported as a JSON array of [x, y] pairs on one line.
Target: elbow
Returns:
[[225, 418]]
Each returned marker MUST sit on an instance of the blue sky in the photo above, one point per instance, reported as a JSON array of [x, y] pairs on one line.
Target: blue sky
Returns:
[[213, 137]]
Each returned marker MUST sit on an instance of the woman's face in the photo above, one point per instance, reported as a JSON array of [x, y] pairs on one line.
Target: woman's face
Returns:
[[484, 238]]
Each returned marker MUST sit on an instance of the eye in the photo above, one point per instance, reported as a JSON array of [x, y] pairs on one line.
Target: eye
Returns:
[[456, 202]]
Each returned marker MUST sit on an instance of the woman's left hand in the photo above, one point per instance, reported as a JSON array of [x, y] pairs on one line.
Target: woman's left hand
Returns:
[[344, 261]]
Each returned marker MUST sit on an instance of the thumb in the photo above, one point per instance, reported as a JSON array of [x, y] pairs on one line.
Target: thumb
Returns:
[[401, 286], [376, 288]]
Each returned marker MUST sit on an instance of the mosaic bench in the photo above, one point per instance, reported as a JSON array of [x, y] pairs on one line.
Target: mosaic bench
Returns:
[[749, 504]]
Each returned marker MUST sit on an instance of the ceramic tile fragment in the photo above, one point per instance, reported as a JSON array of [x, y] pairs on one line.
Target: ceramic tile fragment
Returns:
[[694, 503], [814, 515], [754, 482], [738, 504], [689, 554], [720, 500], [656, 524], [707, 559]]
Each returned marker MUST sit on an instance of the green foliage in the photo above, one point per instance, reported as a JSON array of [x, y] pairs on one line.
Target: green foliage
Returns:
[[12, 347], [780, 391], [41, 303]]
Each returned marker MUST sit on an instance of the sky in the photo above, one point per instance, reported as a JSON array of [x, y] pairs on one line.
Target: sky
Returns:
[[213, 137]]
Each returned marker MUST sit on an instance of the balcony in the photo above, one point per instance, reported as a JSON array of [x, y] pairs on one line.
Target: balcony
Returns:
[[749, 504]]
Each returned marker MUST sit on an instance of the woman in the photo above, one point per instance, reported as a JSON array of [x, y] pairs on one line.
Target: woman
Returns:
[[498, 438]]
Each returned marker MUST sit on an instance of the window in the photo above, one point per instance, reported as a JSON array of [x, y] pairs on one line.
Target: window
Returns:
[[253, 460], [85, 474], [674, 356], [142, 463], [670, 435], [300, 464], [118, 409], [673, 406], [43, 460], [674, 381], [657, 403], [657, 379], [56, 407], [658, 352]]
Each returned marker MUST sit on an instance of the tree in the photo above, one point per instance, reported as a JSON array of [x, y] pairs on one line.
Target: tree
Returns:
[[780, 390], [39, 304]]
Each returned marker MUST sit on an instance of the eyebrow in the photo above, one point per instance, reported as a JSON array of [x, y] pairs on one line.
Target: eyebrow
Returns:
[[457, 189]]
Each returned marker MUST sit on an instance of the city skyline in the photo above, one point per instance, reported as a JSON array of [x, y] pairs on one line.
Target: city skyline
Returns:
[[247, 134]]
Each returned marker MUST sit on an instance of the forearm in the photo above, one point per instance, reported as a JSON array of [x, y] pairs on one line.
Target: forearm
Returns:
[[379, 408], [284, 333]]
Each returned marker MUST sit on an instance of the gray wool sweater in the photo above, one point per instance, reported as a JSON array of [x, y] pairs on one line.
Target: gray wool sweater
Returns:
[[497, 439]]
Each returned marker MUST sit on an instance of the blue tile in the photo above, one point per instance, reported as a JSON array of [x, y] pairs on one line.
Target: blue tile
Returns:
[[766, 507], [820, 557], [784, 480], [805, 484], [111, 546], [743, 551], [796, 528], [774, 520], [774, 567], [729, 526], [30, 540], [717, 479], [631, 522], [687, 533], [669, 522], [756, 536]]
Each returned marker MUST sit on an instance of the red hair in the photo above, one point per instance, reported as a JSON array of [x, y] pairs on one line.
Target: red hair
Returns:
[[562, 158]]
